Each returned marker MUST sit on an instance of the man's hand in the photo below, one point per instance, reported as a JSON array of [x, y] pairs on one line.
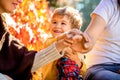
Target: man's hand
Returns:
[[80, 41], [76, 39]]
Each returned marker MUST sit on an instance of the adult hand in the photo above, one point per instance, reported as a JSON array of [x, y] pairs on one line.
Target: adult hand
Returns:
[[76, 39], [80, 41], [64, 40]]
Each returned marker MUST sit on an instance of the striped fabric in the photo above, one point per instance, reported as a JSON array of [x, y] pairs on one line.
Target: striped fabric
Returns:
[[46, 56]]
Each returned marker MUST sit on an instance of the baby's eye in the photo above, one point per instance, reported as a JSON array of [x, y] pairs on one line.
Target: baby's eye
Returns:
[[54, 22], [63, 23]]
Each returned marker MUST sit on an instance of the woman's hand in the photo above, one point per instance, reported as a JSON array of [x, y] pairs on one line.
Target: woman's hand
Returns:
[[64, 40]]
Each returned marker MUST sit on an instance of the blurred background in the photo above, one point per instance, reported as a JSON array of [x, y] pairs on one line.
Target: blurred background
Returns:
[[30, 21]]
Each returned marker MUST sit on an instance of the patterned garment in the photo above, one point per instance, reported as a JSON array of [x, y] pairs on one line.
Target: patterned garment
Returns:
[[68, 69]]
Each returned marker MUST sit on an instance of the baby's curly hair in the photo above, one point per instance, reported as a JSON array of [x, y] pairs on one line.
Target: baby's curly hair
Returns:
[[73, 15]]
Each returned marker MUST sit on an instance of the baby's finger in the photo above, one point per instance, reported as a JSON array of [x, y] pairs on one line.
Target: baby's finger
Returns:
[[67, 56]]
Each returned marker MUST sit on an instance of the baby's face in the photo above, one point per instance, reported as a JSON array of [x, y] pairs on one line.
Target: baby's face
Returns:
[[59, 25]]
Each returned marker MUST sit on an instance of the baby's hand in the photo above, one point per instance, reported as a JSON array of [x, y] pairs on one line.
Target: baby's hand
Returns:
[[69, 53]]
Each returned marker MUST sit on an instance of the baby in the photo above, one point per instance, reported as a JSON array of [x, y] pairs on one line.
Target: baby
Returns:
[[63, 20]]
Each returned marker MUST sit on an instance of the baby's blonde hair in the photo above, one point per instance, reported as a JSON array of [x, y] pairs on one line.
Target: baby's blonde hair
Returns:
[[73, 14]]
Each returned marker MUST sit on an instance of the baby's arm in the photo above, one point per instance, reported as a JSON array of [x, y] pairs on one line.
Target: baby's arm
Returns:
[[73, 56]]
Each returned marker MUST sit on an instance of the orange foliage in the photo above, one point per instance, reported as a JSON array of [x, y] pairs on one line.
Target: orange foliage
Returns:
[[32, 18]]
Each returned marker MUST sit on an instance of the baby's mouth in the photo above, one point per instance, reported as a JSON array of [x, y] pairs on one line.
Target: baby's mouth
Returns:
[[57, 31]]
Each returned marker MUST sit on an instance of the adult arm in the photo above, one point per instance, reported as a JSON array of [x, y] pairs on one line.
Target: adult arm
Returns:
[[45, 56], [90, 35]]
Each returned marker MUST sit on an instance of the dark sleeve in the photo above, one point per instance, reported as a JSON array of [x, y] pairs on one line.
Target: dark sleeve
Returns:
[[16, 59]]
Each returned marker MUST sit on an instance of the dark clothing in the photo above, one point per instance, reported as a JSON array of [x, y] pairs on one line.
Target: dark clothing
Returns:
[[103, 72], [15, 59]]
